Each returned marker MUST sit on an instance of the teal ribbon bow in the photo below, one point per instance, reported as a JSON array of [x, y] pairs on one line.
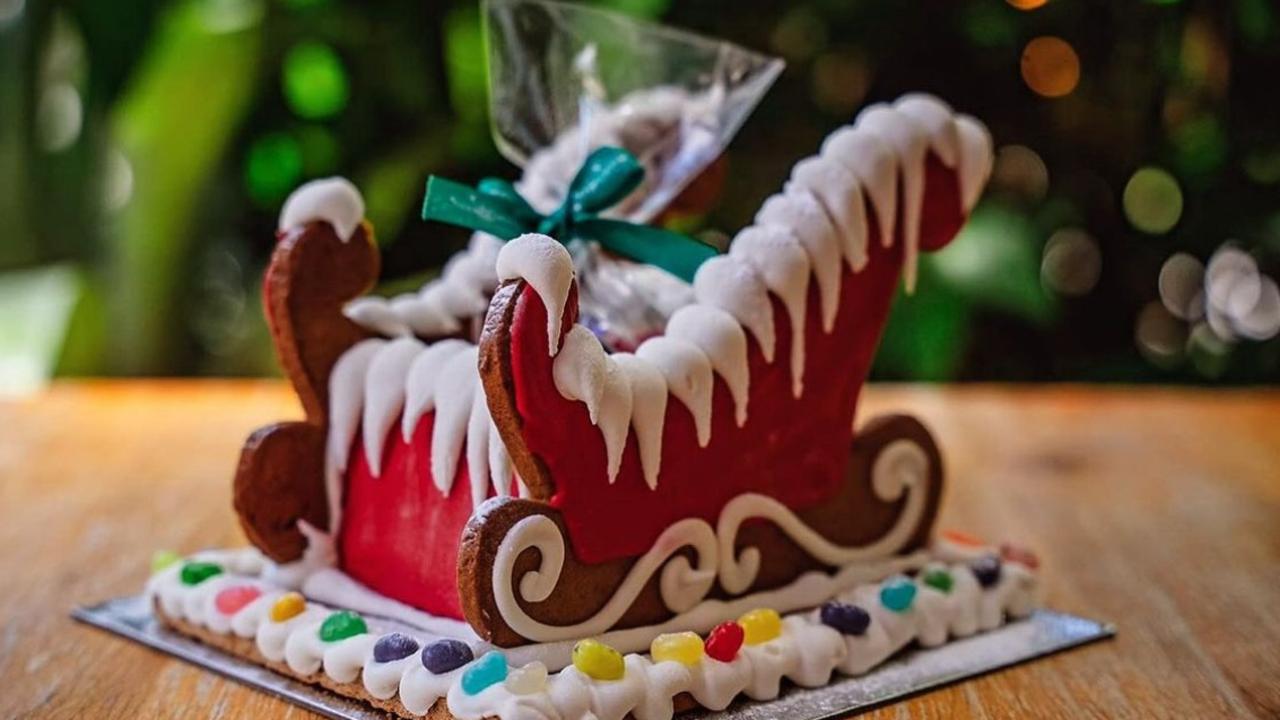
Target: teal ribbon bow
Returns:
[[608, 175]]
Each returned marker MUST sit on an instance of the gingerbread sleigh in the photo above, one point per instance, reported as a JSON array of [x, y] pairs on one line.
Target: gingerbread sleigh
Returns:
[[544, 490], [490, 512]]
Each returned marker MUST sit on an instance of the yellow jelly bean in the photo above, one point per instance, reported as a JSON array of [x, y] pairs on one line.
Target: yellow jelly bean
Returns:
[[289, 605], [761, 626], [598, 661], [682, 647]]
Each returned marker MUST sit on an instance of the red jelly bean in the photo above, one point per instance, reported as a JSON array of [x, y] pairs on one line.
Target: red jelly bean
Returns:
[[1020, 555], [231, 600], [724, 641]]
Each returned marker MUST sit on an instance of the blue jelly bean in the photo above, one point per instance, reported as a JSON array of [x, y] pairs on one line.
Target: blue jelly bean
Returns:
[[848, 619], [396, 646], [986, 570], [897, 594], [490, 669], [444, 656]]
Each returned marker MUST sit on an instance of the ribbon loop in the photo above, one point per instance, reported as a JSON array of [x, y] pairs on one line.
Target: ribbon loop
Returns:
[[607, 177]]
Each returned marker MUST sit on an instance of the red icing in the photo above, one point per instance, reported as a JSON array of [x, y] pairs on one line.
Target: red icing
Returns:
[[791, 449], [400, 534], [724, 641]]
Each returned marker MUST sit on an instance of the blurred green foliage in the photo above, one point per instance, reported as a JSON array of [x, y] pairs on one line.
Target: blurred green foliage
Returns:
[[145, 148]]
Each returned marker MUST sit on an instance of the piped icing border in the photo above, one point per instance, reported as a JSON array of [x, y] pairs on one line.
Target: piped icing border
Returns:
[[961, 590], [800, 233]]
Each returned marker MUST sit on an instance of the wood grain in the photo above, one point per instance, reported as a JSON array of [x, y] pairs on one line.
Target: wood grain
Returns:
[[1156, 509]]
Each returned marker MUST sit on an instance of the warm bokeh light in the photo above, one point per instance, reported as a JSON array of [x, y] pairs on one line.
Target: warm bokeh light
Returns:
[[840, 81], [1027, 4], [1181, 285], [315, 81], [1020, 169], [1050, 66], [1071, 263], [1153, 200], [1160, 336]]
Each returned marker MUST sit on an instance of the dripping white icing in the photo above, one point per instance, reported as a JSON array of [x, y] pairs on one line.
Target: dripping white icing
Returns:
[[544, 264], [820, 216], [333, 200]]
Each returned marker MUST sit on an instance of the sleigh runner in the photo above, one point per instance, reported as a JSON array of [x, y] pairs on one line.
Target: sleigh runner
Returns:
[[546, 490]]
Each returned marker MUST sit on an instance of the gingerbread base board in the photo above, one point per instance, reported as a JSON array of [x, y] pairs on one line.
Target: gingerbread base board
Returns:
[[1044, 633]]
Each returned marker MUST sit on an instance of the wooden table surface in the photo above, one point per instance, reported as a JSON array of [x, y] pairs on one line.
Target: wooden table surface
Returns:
[[1156, 509]]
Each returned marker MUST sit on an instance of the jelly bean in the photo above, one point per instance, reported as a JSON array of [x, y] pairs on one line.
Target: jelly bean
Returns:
[[848, 619], [760, 626], [527, 680], [233, 599], [682, 647], [962, 538], [342, 625], [444, 656], [897, 593], [396, 646], [194, 573], [987, 570], [938, 579], [290, 605], [1020, 555], [724, 641], [162, 559], [598, 661], [490, 669]]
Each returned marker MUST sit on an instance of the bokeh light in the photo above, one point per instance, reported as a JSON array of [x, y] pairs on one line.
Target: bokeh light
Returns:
[[1072, 262], [1027, 4], [117, 180], [1152, 200], [1020, 169], [799, 35], [840, 81], [315, 81], [1159, 335], [1050, 66], [11, 10], [1208, 353], [59, 117], [1181, 285], [273, 167]]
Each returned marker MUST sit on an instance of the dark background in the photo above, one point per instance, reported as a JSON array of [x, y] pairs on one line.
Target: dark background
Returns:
[[145, 148]]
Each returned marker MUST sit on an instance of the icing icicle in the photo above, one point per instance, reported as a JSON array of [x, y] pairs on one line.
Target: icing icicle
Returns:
[[877, 164]]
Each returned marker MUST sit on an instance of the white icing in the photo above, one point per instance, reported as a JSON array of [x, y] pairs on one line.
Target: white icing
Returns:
[[346, 401], [455, 395], [806, 652], [937, 120], [839, 194], [688, 373], [333, 200], [784, 266], [733, 286], [975, 159], [872, 161], [648, 411], [547, 267], [800, 214], [911, 144], [722, 340], [420, 382], [384, 393]]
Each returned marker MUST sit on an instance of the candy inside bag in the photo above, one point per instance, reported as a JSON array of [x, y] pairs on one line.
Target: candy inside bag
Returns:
[[566, 79]]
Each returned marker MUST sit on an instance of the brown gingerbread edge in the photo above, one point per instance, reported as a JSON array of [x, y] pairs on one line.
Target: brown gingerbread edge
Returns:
[[280, 476]]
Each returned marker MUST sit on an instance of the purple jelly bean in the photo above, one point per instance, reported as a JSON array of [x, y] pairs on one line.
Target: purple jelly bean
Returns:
[[986, 570], [848, 619], [396, 646], [443, 656]]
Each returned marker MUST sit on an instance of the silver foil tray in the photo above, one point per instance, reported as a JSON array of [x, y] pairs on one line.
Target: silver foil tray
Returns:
[[914, 671]]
